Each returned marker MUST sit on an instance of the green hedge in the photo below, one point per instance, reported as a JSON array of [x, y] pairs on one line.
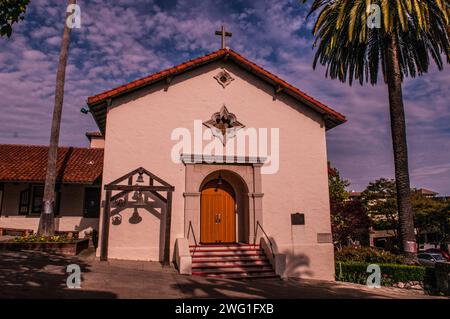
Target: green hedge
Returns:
[[356, 272], [370, 255]]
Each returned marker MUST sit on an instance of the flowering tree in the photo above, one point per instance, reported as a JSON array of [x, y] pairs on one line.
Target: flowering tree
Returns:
[[349, 220]]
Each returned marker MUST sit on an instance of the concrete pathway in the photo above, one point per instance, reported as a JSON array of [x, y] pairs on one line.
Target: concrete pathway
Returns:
[[41, 275]]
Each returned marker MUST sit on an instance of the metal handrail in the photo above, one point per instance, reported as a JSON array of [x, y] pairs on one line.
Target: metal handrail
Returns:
[[193, 234], [268, 239]]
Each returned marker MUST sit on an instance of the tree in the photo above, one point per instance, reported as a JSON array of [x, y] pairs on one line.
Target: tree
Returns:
[[352, 47], [11, 11], [380, 200], [431, 216], [337, 187], [47, 218], [349, 220]]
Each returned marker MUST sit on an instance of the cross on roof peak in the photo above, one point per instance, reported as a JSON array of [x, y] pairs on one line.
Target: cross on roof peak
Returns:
[[223, 34]]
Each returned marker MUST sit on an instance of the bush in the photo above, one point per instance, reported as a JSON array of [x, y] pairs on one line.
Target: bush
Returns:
[[368, 255], [43, 239], [356, 272]]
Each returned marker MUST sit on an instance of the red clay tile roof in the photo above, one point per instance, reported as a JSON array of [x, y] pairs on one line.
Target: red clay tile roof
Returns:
[[354, 194], [90, 135], [28, 163], [333, 118], [425, 191], [94, 134]]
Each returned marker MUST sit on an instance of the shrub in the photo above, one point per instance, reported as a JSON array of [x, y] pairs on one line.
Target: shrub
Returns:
[[356, 272], [43, 239], [368, 255]]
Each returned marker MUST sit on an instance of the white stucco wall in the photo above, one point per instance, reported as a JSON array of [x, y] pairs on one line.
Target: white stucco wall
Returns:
[[139, 128], [97, 142], [70, 216]]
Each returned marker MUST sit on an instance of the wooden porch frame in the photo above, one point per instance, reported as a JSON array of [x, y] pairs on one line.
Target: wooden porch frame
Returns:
[[125, 189]]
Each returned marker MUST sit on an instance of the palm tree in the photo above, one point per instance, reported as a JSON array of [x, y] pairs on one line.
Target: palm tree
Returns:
[[47, 218], [411, 33]]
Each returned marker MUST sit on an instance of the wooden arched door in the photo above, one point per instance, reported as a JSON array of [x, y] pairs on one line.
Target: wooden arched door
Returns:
[[218, 213]]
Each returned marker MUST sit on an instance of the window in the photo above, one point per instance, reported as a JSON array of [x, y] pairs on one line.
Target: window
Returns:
[[91, 202], [36, 202], [31, 200], [24, 201], [438, 257], [425, 256], [1, 197]]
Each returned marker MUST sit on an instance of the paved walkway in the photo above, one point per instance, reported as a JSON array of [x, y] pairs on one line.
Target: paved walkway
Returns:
[[41, 275]]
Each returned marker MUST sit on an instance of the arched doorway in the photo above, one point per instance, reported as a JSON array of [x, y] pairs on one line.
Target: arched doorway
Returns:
[[217, 212], [224, 208]]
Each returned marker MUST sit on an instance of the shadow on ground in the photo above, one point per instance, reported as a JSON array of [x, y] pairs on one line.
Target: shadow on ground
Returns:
[[194, 287], [31, 274]]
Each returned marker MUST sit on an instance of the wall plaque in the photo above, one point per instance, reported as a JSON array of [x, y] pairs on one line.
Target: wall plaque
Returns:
[[324, 238]]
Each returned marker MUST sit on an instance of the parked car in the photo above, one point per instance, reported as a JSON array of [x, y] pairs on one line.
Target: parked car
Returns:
[[430, 259], [438, 251]]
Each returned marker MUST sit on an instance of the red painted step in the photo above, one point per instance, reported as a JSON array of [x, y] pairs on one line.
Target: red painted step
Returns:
[[235, 249], [199, 259], [243, 276], [235, 261], [224, 248], [228, 263], [227, 254], [235, 270]]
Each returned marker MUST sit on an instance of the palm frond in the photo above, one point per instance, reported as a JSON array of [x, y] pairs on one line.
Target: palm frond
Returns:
[[350, 50]]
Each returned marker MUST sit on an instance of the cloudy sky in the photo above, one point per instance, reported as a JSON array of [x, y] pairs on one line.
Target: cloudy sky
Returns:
[[128, 39]]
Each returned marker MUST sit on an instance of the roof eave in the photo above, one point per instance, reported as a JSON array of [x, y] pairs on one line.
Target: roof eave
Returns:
[[99, 106], [102, 104], [36, 181], [330, 120]]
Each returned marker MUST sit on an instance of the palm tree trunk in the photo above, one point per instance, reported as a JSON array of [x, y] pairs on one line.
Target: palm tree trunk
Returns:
[[47, 220], [398, 130]]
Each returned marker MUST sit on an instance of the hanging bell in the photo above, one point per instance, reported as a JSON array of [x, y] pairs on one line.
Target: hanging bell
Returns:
[[135, 195], [135, 218], [140, 199], [140, 178]]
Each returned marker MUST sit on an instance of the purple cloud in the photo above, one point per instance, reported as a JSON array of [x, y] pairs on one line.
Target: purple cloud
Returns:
[[129, 39]]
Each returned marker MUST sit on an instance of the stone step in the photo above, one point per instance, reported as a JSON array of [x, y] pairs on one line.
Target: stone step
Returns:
[[234, 261], [196, 249], [224, 247], [238, 274], [234, 270], [245, 276], [215, 259], [230, 264], [227, 253]]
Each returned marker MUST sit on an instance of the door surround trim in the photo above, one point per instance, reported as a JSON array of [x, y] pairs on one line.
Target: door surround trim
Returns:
[[195, 174]]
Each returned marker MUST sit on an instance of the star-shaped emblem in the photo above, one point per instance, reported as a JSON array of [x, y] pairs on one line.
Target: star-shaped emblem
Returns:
[[224, 124]]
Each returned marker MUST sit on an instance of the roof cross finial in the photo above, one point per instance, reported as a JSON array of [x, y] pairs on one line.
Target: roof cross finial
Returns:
[[223, 34]]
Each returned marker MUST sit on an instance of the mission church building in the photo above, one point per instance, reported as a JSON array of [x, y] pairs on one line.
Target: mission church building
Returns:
[[216, 165]]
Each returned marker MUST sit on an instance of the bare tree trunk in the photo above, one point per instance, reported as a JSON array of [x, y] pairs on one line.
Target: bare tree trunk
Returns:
[[398, 129], [47, 220]]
